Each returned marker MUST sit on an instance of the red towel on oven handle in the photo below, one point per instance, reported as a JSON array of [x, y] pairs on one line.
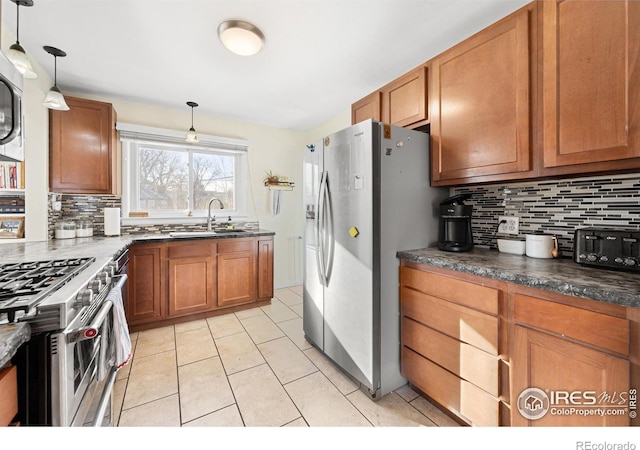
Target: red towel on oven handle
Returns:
[[120, 328]]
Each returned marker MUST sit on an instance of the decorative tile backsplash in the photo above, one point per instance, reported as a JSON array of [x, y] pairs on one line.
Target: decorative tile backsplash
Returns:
[[90, 207], [555, 206]]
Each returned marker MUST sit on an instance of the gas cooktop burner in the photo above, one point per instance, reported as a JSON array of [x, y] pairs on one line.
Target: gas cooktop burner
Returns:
[[24, 285]]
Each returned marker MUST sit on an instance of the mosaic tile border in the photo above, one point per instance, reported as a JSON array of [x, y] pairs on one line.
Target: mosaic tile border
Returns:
[[555, 206], [90, 207]]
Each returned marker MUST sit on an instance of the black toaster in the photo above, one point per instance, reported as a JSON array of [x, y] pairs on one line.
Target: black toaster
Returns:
[[607, 248]]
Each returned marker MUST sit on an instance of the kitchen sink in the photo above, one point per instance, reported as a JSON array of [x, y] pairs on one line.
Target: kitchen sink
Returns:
[[203, 233], [224, 230]]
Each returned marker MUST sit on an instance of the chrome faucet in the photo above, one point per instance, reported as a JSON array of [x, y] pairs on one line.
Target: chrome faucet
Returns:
[[214, 199]]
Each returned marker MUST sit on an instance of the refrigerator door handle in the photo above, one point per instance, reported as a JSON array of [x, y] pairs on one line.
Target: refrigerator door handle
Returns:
[[327, 253], [320, 232]]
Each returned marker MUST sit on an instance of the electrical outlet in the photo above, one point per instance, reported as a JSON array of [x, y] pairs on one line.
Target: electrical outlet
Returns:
[[510, 225]]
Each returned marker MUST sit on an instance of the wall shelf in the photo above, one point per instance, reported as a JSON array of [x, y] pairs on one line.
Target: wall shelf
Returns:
[[281, 186]]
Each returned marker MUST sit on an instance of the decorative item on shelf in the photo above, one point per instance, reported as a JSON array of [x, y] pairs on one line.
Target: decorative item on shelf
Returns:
[[241, 38], [11, 227], [278, 182], [55, 99], [192, 137], [276, 185], [16, 53]]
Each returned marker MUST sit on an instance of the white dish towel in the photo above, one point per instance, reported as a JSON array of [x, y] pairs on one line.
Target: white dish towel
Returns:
[[120, 328]]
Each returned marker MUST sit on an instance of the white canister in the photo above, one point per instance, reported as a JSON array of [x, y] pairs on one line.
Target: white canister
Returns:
[[111, 221], [540, 245]]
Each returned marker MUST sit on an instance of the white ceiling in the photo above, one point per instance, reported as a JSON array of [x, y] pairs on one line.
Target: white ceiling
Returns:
[[319, 56]]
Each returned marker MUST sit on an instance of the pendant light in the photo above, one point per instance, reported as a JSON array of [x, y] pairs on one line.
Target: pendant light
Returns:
[[16, 53], [54, 98], [192, 137], [241, 38]]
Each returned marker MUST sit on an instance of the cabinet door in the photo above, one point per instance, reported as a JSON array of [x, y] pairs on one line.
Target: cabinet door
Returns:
[[405, 99], [367, 108], [236, 278], [556, 365], [82, 148], [265, 269], [591, 81], [145, 283], [192, 285], [481, 103]]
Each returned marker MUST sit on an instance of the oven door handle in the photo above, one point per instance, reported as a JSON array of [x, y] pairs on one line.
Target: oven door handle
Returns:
[[91, 331], [104, 399]]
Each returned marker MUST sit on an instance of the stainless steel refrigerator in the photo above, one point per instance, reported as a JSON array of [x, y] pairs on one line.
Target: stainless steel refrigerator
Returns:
[[366, 196]]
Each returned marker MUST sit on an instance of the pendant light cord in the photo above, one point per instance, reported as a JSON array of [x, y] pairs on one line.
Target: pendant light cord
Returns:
[[18, 23]]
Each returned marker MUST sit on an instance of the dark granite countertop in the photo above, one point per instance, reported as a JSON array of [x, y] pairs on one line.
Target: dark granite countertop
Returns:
[[12, 336], [562, 275]]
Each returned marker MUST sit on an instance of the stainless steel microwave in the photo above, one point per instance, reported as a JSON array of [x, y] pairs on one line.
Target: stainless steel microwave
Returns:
[[11, 117]]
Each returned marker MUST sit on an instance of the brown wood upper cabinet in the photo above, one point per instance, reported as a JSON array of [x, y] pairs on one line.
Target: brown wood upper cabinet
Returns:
[[82, 148], [403, 102], [369, 107], [591, 82], [481, 103]]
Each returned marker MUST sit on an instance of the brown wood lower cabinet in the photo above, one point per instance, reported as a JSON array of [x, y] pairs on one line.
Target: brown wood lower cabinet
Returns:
[[182, 279], [575, 375], [8, 394], [192, 277], [145, 283], [450, 349], [237, 272], [576, 356], [485, 350]]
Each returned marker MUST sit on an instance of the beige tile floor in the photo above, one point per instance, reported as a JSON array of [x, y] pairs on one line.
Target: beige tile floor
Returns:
[[252, 368]]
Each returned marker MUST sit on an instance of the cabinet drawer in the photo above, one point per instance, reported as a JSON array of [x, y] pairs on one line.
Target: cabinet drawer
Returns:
[[236, 245], [464, 324], [473, 295], [465, 399], [464, 360], [192, 249], [9, 395], [608, 332]]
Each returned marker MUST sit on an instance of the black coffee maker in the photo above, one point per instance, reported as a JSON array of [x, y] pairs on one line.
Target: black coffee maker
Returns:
[[455, 233]]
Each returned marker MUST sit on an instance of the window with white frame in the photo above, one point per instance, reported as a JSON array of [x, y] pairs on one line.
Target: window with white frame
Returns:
[[169, 178]]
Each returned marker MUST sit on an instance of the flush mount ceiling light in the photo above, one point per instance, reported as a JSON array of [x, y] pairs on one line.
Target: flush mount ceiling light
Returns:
[[16, 53], [54, 98], [241, 38], [192, 137]]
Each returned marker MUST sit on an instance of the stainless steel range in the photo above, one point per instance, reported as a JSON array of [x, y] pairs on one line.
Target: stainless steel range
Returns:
[[67, 369], [24, 285]]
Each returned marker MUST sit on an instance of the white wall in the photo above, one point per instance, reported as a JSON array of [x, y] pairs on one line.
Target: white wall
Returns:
[[278, 150], [36, 146]]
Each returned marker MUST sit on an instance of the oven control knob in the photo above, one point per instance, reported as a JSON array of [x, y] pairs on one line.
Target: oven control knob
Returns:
[[604, 259], [84, 298], [110, 269], [592, 258], [629, 262], [582, 256], [104, 277], [95, 286], [618, 260]]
